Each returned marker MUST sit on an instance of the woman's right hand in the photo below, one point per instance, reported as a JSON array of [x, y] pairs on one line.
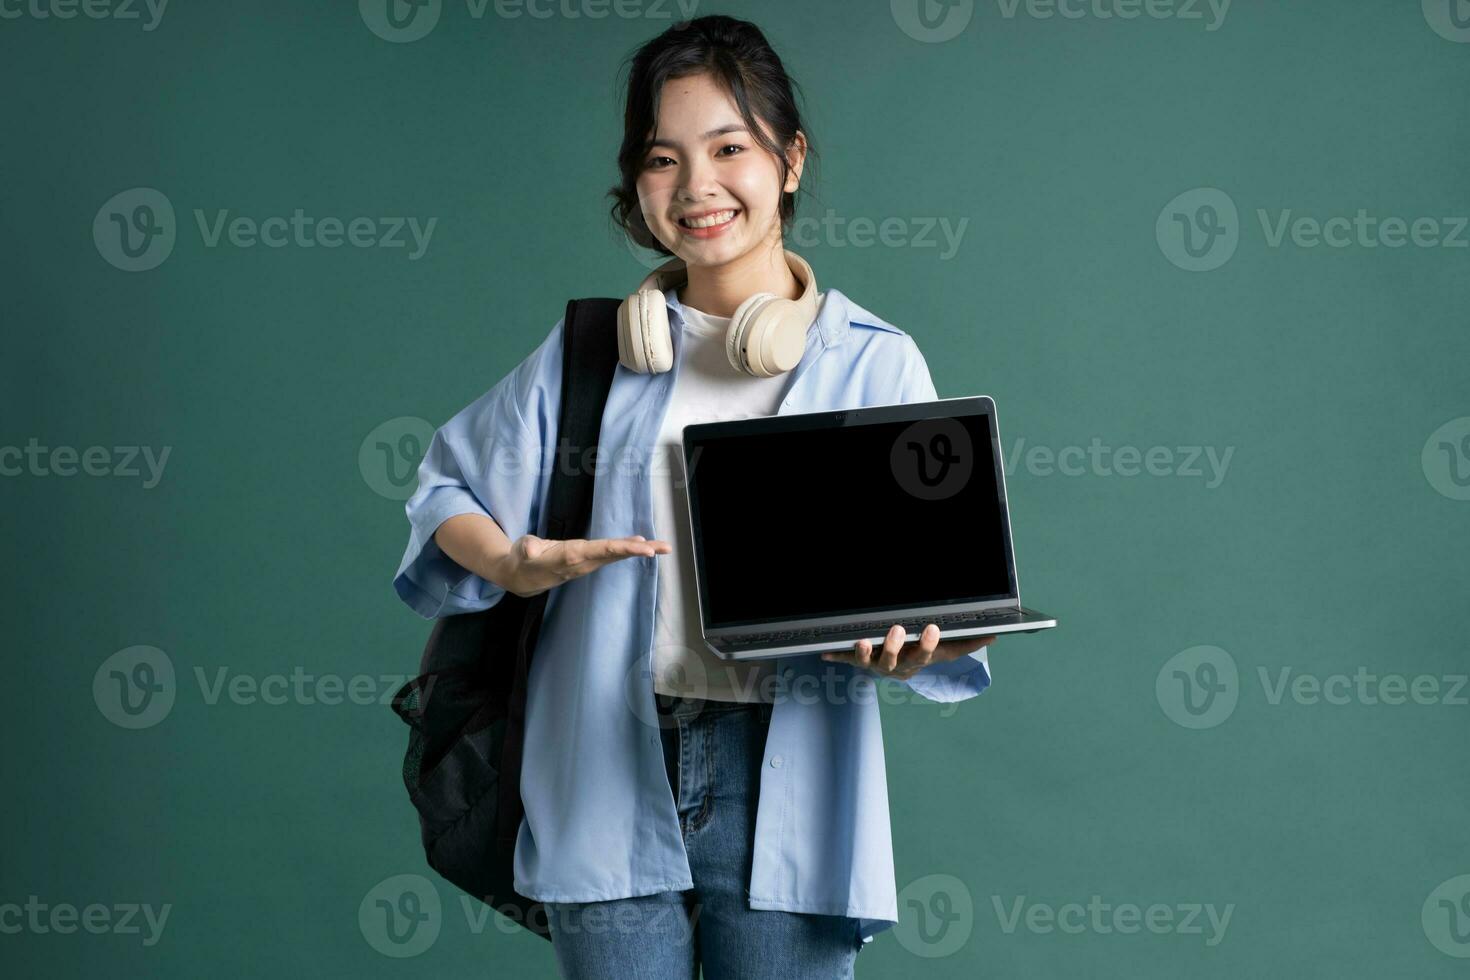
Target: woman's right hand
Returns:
[[536, 564]]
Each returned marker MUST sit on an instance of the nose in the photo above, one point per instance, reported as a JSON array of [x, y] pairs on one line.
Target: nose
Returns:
[[696, 180]]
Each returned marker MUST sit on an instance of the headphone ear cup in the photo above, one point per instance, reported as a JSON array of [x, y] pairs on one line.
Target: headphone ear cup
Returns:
[[769, 338], [625, 353], [644, 343], [737, 345]]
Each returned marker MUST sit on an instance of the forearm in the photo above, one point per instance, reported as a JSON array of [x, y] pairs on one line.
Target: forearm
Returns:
[[478, 544]]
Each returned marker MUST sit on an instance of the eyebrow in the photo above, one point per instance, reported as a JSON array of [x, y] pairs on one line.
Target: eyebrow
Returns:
[[721, 131]]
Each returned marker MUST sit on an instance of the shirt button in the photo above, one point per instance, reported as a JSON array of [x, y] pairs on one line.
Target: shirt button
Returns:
[[776, 762]]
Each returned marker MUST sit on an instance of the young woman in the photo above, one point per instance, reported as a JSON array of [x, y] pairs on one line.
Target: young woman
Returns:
[[708, 818]]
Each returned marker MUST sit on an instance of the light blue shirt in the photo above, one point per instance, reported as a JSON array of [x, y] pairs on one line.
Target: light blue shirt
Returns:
[[600, 819]]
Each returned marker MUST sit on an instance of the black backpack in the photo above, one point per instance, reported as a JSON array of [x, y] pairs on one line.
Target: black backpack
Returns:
[[466, 710]]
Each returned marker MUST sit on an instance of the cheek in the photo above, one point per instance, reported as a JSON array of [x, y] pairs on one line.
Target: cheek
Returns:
[[757, 187], [653, 199]]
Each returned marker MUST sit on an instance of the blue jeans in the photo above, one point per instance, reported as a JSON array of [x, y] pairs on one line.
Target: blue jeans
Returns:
[[713, 752]]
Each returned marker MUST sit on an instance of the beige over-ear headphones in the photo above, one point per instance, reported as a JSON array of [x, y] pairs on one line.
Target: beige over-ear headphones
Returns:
[[767, 334]]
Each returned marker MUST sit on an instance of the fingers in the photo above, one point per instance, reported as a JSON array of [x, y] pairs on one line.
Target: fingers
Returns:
[[901, 660], [892, 647], [895, 658], [921, 656], [638, 545], [601, 551]]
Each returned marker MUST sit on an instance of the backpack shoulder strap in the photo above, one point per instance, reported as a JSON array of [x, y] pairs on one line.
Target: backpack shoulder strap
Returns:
[[589, 358]]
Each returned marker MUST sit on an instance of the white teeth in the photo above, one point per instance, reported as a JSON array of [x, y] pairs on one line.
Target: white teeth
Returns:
[[708, 221]]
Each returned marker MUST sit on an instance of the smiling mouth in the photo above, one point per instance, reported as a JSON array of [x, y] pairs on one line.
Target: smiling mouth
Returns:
[[713, 220]]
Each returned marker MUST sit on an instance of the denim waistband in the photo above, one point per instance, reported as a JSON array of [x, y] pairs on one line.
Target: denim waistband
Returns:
[[677, 707]]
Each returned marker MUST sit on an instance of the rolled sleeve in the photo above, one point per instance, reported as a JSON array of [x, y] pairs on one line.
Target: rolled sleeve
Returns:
[[432, 583], [953, 680], [485, 460]]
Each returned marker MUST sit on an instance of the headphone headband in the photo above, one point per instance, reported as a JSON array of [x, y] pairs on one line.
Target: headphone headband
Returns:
[[766, 335], [673, 274]]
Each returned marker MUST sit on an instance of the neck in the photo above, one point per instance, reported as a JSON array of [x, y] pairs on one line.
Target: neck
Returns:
[[719, 290]]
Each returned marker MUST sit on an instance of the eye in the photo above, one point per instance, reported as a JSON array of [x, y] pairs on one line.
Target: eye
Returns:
[[733, 146], [655, 163]]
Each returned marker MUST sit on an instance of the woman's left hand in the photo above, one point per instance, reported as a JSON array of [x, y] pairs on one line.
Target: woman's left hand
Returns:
[[902, 660]]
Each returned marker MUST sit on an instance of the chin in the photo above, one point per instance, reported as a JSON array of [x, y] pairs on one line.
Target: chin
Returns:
[[713, 253]]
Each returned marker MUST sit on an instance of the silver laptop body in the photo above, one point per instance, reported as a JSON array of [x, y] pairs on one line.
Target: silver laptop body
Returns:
[[779, 508]]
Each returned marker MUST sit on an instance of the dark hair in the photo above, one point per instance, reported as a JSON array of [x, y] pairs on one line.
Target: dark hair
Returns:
[[736, 54]]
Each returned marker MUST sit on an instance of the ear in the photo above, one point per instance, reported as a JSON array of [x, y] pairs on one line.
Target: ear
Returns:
[[795, 159]]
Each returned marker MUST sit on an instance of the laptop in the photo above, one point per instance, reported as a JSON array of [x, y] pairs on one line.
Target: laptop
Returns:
[[813, 531]]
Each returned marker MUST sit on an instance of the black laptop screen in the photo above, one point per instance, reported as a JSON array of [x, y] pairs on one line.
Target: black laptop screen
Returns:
[[846, 519]]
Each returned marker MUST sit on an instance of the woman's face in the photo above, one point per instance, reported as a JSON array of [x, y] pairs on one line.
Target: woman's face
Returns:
[[704, 165]]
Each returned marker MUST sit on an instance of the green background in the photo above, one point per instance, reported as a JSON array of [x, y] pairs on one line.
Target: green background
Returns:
[[266, 549]]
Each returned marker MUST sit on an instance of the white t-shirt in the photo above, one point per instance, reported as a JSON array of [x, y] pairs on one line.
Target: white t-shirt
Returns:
[[708, 389]]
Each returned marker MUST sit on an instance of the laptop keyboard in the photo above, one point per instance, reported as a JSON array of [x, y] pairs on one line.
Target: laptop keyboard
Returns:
[[874, 627]]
